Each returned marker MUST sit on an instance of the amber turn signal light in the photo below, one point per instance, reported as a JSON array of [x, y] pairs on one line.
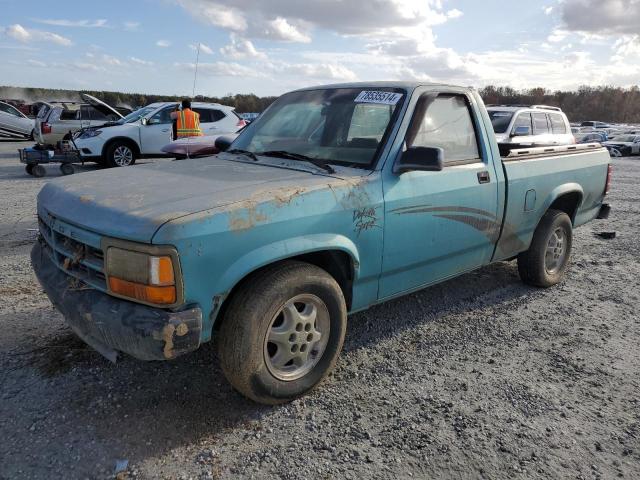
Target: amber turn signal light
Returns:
[[165, 295]]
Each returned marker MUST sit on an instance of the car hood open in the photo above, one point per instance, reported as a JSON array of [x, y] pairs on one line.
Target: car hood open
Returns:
[[99, 104], [134, 202]]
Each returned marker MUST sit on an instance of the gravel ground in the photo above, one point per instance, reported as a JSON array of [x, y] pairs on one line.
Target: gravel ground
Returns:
[[480, 377]]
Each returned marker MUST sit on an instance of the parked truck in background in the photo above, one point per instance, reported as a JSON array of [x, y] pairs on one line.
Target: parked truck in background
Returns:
[[335, 199]]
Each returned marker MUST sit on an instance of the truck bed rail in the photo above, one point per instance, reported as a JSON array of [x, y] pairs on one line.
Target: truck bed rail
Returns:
[[522, 153]]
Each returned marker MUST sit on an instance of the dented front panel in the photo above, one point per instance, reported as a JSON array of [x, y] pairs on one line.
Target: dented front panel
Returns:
[[220, 246]]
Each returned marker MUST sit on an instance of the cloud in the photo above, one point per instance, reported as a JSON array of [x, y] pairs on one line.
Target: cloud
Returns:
[[112, 61], [280, 29], [293, 21], [21, 34], [36, 63], [241, 48], [139, 61], [557, 35], [99, 23], [163, 43], [215, 14], [203, 48], [548, 10], [131, 26], [222, 69], [607, 17], [318, 71]]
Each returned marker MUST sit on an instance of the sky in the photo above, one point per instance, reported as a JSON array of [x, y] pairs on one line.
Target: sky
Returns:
[[268, 47]]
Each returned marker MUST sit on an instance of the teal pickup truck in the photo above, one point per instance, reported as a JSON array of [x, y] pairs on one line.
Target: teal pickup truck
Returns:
[[335, 199]]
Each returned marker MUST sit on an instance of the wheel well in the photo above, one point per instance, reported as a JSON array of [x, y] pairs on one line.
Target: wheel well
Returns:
[[567, 203], [128, 141], [336, 263]]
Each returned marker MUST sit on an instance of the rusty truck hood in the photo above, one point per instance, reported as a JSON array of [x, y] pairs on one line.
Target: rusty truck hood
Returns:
[[133, 202]]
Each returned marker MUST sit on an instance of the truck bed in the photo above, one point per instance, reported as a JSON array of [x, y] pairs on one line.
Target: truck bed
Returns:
[[536, 176]]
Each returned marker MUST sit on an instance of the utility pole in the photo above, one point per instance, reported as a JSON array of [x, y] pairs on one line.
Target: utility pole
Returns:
[[193, 94]]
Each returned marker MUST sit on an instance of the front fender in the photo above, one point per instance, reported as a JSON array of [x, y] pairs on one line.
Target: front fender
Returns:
[[282, 250]]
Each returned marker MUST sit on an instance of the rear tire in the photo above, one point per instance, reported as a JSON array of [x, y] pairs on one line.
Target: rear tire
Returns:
[[120, 154], [547, 259], [282, 332], [29, 169]]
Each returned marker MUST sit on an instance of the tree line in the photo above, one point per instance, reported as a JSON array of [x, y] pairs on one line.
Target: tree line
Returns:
[[604, 103]]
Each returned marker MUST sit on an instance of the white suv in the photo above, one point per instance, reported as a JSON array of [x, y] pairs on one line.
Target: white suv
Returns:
[[529, 126], [144, 132]]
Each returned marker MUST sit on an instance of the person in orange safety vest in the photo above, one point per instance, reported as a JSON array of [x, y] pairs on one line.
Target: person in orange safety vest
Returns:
[[187, 121]]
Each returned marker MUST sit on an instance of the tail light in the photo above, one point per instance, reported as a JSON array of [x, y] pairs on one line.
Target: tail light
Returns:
[[45, 127], [608, 184], [241, 123]]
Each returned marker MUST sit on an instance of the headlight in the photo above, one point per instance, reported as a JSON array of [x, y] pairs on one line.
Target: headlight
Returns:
[[90, 133], [146, 277]]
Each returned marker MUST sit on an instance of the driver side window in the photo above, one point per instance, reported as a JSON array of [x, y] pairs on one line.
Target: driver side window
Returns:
[[447, 124]]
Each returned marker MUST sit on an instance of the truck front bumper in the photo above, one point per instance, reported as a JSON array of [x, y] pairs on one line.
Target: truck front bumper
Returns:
[[111, 325]]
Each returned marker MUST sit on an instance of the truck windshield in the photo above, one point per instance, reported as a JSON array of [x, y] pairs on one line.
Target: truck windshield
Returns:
[[344, 126], [500, 119]]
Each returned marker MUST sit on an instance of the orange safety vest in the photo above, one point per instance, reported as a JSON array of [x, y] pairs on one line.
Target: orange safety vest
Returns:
[[188, 124]]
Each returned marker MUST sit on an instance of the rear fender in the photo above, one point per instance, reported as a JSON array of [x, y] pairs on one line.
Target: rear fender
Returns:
[[559, 191]]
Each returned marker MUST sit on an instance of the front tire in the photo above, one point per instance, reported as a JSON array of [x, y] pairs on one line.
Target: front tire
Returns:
[[547, 259], [283, 332], [120, 154]]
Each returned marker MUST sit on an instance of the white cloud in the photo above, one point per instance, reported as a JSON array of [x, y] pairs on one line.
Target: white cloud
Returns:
[[317, 71], [222, 69], [215, 14], [36, 63], [131, 25], [293, 21], [139, 61], [99, 23], [241, 48], [557, 35], [203, 48], [280, 29], [112, 61], [548, 10], [21, 34], [163, 43]]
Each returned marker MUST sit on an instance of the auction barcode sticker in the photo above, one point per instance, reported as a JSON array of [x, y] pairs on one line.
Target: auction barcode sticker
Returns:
[[372, 96]]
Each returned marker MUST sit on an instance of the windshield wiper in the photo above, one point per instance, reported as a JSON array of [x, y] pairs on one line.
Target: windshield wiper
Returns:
[[246, 153], [298, 156]]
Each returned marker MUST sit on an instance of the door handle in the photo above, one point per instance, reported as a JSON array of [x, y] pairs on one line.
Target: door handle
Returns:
[[484, 177], [164, 130]]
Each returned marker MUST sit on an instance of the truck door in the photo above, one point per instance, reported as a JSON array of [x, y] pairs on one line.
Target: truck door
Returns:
[[440, 223]]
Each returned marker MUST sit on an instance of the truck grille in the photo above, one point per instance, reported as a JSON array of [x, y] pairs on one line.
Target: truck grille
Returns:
[[73, 250]]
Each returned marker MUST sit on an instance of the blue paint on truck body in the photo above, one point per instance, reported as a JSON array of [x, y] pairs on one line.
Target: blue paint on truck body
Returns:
[[227, 216]]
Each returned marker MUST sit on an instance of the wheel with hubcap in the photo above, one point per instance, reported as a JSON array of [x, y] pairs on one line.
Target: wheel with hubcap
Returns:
[[547, 259], [120, 154], [282, 332]]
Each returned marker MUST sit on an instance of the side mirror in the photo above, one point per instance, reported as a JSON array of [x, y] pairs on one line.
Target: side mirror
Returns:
[[521, 132], [144, 121], [426, 159], [223, 143]]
